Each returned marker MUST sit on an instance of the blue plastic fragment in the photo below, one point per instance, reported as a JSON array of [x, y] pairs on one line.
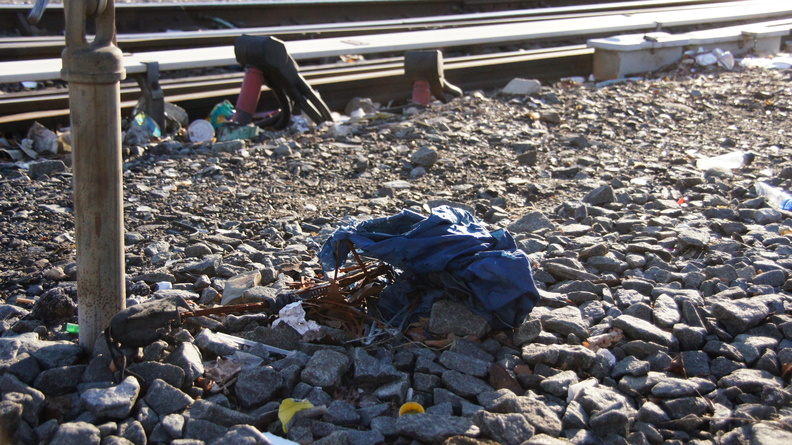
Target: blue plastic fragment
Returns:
[[448, 254]]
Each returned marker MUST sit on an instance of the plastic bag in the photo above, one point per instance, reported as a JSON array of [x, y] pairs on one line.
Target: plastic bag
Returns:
[[447, 253], [221, 113]]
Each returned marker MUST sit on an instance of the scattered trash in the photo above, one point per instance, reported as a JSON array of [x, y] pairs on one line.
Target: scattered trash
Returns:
[[446, 254], [72, 328], [245, 344], [596, 342], [145, 122], [288, 408], [200, 130], [723, 58], [230, 132], [294, 315], [411, 408], [774, 196], [221, 113], [30, 84], [780, 61], [44, 139], [728, 161], [221, 374], [164, 285], [141, 130]]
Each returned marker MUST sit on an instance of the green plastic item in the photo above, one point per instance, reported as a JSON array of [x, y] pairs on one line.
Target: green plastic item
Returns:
[[72, 328]]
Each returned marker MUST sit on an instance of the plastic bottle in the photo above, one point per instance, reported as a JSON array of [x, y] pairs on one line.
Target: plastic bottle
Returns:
[[775, 197], [729, 161]]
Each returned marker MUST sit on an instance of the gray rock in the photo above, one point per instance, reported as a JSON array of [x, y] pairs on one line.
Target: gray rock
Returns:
[[696, 363], [775, 278], [508, 429], [147, 417], [115, 402], [600, 195], [630, 366], [464, 364], [527, 331], [693, 238], [769, 433], [767, 216], [59, 381], [206, 410], [464, 385], [750, 380], [753, 346], [665, 311], [54, 306], [431, 428], [341, 413], [46, 167], [236, 286], [10, 417], [674, 387], [257, 386], [565, 357], [690, 338], [203, 430], [210, 342], [165, 399], [368, 369], [739, 315], [115, 440], [608, 263], [170, 427], [565, 321], [71, 433], [49, 354], [395, 392], [325, 369], [425, 157], [242, 435], [454, 317], [558, 385], [133, 431], [616, 418], [384, 425], [643, 330], [531, 222], [188, 358], [152, 370]]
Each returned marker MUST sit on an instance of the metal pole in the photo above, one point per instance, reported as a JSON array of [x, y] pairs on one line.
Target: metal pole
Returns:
[[94, 71]]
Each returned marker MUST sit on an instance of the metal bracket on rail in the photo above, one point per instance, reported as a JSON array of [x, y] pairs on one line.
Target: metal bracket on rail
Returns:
[[153, 96], [424, 69], [266, 61]]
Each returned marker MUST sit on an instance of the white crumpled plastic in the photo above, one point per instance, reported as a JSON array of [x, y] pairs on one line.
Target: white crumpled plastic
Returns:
[[294, 315]]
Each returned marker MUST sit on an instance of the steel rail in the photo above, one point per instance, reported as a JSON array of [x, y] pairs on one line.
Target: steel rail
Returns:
[[382, 81], [50, 46]]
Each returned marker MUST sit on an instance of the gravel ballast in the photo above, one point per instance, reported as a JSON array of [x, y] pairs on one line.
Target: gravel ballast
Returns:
[[665, 312]]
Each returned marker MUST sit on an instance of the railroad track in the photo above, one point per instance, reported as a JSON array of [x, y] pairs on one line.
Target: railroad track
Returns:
[[381, 79], [202, 15], [146, 34]]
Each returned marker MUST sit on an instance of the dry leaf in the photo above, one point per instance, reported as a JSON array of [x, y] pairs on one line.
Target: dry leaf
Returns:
[[677, 366]]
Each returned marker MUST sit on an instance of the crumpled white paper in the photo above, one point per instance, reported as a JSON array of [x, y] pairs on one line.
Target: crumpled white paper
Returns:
[[294, 315]]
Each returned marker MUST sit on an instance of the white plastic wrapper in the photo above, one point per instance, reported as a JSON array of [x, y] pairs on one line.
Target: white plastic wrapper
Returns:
[[294, 315]]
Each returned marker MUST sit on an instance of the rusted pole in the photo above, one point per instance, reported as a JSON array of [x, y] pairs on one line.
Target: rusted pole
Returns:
[[94, 71]]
